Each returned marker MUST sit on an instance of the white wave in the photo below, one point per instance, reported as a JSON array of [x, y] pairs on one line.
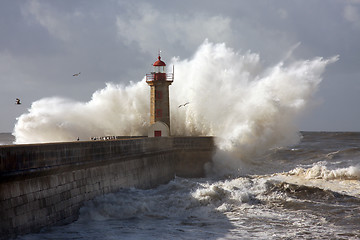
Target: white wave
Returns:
[[322, 172], [249, 107], [181, 198], [332, 154], [239, 208], [173, 200], [114, 110], [341, 180]]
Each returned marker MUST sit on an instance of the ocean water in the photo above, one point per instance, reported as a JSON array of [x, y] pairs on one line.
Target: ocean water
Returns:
[[256, 188], [310, 190]]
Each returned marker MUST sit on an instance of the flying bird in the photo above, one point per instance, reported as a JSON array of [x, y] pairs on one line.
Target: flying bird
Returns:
[[76, 74], [183, 105], [18, 102]]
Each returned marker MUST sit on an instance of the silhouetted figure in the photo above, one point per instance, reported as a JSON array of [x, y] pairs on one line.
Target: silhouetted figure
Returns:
[[18, 102]]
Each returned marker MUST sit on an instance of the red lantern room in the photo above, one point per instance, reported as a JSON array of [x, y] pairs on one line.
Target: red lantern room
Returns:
[[159, 82], [159, 66]]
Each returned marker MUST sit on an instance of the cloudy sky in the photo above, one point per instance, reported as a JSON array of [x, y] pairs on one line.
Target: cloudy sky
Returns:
[[43, 43]]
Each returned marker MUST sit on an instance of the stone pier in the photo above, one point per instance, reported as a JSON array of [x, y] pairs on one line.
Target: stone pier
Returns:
[[46, 184]]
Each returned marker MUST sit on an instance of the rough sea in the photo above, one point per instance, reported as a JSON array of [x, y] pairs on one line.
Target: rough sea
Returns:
[[307, 191]]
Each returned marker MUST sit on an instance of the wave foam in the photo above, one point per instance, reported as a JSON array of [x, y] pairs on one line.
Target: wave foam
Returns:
[[322, 172], [249, 107]]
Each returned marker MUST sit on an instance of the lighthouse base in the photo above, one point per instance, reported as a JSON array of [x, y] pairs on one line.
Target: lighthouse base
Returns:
[[159, 129]]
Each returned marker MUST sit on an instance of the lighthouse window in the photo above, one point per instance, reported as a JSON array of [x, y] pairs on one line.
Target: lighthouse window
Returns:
[[158, 113], [158, 94], [159, 69]]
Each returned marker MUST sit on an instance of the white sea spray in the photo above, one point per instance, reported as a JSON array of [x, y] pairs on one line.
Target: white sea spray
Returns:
[[248, 107]]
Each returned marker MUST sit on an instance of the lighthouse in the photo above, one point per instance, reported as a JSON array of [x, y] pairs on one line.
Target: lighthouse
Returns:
[[159, 82]]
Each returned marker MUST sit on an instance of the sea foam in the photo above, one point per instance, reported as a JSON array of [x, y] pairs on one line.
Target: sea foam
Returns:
[[322, 172], [247, 106]]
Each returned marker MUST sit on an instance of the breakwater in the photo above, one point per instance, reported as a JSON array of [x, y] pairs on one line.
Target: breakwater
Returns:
[[46, 184]]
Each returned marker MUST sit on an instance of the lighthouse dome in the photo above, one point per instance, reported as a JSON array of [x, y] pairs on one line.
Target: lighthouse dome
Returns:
[[159, 63]]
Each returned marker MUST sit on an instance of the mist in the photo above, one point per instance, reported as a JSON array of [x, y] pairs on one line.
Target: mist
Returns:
[[249, 107]]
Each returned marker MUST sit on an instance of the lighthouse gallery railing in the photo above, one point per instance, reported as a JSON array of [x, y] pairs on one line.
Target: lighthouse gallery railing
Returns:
[[151, 76]]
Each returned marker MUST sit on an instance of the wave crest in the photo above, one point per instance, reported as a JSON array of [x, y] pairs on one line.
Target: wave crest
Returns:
[[248, 107], [322, 172]]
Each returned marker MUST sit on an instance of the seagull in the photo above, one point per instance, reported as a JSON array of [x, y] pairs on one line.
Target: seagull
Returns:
[[183, 105], [17, 101], [76, 74]]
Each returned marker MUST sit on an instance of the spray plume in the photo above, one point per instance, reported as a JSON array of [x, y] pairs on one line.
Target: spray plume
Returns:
[[248, 108]]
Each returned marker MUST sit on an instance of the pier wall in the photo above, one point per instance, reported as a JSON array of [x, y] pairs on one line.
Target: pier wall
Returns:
[[46, 184]]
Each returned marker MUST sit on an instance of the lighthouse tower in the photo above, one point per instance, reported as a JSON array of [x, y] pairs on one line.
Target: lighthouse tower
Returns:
[[159, 82]]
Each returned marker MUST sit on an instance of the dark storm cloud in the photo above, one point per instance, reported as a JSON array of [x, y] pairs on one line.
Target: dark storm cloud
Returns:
[[43, 43]]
